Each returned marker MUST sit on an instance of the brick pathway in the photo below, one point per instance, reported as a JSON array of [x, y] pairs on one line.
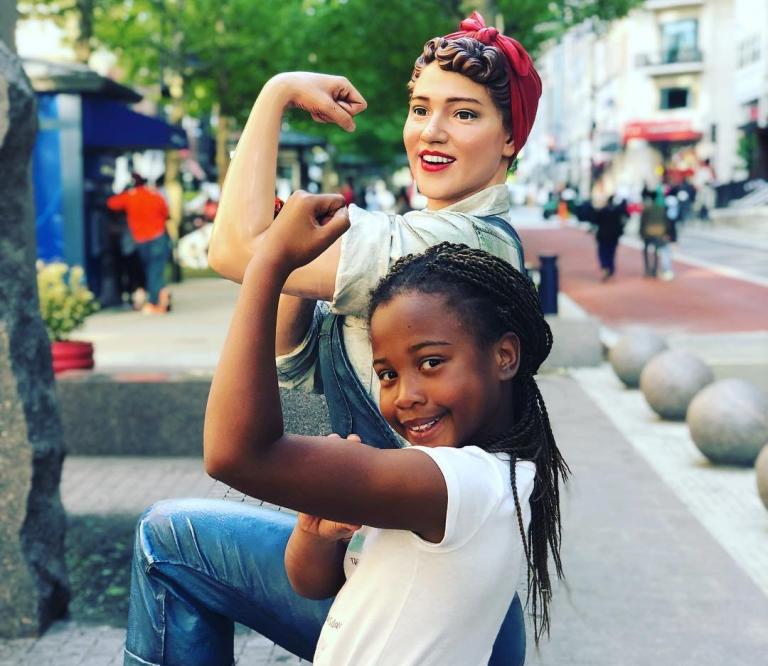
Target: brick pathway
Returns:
[[647, 583], [698, 300]]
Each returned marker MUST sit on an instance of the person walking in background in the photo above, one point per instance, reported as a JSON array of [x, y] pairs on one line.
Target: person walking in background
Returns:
[[672, 204], [705, 180], [347, 190], [686, 194], [402, 202], [609, 220], [147, 212], [653, 231], [567, 196]]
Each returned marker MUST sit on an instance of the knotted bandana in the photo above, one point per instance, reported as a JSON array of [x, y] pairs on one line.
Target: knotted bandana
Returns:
[[524, 81]]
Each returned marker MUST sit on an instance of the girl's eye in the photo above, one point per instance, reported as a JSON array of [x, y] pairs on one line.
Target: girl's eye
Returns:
[[464, 114], [431, 363], [418, 111], [387, 375]]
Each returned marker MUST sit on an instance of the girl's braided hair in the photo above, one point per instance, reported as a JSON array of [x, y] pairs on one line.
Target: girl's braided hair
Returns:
[[494, 298]]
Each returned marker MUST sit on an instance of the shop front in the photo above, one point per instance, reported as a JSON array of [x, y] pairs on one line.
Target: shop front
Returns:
[[85, 123]]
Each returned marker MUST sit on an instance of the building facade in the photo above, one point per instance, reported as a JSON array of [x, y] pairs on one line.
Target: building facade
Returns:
[[676, 90]]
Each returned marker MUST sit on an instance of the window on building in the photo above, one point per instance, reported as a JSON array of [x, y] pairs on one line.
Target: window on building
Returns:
[[674, 98], [748, 50], [680, 41]]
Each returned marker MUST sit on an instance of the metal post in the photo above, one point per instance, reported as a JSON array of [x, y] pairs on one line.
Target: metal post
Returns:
[[548, 283]]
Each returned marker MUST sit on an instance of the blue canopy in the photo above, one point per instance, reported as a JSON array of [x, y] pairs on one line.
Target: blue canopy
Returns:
[[113, 126]]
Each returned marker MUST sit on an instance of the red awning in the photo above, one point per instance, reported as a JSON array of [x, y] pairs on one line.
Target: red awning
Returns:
[[656, 131]]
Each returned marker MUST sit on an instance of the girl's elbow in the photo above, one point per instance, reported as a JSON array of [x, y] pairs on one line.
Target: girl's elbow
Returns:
[[219, 463], [217, 260], [228, 264], [309, 590], [296, 583], [216, 466]]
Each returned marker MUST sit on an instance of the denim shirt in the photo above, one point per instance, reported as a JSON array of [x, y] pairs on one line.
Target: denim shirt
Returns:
[[374, 241]]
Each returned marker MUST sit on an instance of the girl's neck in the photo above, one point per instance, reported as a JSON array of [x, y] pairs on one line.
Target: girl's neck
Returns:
[[503, 421]]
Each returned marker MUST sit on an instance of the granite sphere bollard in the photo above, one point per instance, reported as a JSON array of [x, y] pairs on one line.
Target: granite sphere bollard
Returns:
[[761, 467], [671, 379], [728, 421], [632, 352]]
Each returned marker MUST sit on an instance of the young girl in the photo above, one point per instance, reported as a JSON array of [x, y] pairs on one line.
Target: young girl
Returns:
[[473, 102], [457, 337]]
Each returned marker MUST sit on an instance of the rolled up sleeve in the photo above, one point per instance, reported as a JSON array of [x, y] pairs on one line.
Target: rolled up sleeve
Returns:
[[299, 369], [375, 240]]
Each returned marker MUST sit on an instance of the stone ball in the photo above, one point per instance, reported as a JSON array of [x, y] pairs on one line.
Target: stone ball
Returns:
[[671, 379], [728, 421], [761, 467], [631, 352]]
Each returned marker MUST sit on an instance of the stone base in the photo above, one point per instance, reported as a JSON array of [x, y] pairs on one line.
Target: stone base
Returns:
[[671, 379], [761, 469], [576, 343], [728, 421], [755, 217], [632, 352], [155, 414]]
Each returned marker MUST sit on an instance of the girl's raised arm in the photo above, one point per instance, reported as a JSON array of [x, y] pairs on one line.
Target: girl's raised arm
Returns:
[[245, 445], [247, 200]]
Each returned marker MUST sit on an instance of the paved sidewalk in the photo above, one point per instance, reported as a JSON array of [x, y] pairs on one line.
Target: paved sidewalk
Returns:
[[665, 555], [743, 249], [699, 299], [648, 580], [188, 338]]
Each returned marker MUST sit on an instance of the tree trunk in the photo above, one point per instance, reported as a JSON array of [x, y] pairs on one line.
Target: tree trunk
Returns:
[[8, 23], [83, 47], [173, 189], [223, 128]]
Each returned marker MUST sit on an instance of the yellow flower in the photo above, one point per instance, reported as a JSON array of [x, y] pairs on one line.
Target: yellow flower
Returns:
[[65, 300]]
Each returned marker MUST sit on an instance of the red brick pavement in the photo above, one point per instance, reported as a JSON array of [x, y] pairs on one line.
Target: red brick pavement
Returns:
[[698, 300]]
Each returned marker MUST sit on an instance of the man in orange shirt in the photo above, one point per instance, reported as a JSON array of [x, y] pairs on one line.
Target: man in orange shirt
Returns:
[[146, 212]]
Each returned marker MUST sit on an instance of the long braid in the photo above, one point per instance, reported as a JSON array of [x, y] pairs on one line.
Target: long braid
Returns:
[[498, 299]]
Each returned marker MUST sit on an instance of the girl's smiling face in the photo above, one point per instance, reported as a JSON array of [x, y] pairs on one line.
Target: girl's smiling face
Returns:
[[454, 137], [439, 387]]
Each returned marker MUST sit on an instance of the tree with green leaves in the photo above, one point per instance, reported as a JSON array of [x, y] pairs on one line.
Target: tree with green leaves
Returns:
[[213, 56], [77, 14]]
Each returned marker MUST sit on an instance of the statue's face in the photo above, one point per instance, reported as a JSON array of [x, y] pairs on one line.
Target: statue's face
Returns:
[[454, 137]]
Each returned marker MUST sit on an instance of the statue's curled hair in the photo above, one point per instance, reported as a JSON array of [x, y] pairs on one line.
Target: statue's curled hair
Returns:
[[482, 64]]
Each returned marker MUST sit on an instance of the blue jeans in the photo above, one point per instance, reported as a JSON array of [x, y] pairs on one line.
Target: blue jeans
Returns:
[[154, 255], [651, 256], [606, 253], [199, 565]]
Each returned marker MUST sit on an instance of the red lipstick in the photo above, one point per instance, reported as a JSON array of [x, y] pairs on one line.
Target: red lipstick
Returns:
[[433, 160]]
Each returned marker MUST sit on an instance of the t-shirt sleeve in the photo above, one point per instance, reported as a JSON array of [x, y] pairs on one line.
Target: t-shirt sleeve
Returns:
[[476, 483], [375, 240], [117, 201], [298, 369]]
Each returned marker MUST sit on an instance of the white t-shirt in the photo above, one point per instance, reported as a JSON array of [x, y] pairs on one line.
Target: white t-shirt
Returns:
[[408, 602]]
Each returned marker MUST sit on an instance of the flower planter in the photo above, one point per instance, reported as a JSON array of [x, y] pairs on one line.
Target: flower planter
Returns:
[[71, 355]]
